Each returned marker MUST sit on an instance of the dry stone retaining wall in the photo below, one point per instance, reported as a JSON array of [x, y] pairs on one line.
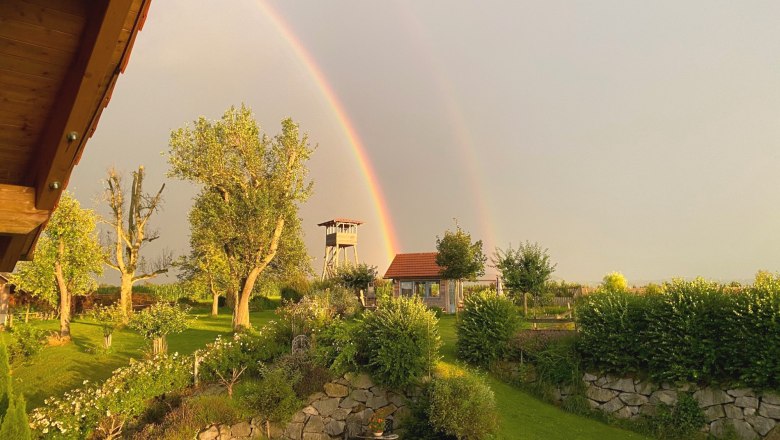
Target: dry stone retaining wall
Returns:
[[753, 415], [342, 410]]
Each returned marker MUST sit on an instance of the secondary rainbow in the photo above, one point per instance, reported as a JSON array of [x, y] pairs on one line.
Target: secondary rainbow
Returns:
[[386, 225]]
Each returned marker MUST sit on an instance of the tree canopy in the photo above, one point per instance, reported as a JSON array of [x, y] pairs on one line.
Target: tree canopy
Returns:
[[251, 187], [525, 269], [458, 257]]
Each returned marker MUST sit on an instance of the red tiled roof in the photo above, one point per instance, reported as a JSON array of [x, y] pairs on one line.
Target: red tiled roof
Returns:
[[419, 265], [340, 220]]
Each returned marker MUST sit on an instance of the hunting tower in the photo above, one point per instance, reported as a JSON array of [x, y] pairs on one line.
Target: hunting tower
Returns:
[[340, 234]]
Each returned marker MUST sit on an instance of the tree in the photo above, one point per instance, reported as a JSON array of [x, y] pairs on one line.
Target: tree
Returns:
[[525, 269], [159, 321], [356, 277], [67, 258], [15, 424], [130, 234], [206, 270], [110, 318], [614, 282], [252, 185], [458, 257]]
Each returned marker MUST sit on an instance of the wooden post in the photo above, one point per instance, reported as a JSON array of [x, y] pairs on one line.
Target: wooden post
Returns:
[[195, 369], [525, 304]]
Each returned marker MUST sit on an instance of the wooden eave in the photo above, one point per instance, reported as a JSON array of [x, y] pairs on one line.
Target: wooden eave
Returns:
[[59, 62]]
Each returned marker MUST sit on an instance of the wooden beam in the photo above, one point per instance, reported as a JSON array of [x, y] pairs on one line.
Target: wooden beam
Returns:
[[11, 248], [79, 101], [18, 214]]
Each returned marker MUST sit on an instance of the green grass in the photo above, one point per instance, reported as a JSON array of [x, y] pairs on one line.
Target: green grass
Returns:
[[523, 417], [59, 369]]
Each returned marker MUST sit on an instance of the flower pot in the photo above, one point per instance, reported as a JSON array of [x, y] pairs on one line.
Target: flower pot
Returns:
[[378, 434]]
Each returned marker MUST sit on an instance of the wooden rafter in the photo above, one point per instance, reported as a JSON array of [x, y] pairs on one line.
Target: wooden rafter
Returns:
[[18, 214]]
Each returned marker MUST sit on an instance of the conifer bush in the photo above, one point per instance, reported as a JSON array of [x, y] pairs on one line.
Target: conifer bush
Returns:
[[462, 406], [15, 425]]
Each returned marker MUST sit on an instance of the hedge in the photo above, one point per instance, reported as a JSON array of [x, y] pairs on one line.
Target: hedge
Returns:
[[694, 331]]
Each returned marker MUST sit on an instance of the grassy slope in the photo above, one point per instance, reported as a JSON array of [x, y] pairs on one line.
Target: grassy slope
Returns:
[[524, 417], [59, 369]]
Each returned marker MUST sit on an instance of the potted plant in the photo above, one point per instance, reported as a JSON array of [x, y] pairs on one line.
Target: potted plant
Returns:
[[376, 425]]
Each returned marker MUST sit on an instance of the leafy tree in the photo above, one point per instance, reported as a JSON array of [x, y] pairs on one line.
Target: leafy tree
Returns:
[[252, 185], [356, 277], [158, 321], [206, 270], [110, 318], [274, 397], [614, 282], [458, 257], [128, 236], [67, 258], [525, 269]]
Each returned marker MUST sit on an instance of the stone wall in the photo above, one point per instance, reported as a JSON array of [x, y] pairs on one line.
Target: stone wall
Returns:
[[753, 415], [342, 410]]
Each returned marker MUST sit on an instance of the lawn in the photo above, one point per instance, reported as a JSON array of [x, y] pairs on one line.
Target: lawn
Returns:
[[523, 417], [59, 369]]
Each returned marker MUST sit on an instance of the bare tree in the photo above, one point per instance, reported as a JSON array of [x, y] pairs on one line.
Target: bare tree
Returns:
[[129, 233]]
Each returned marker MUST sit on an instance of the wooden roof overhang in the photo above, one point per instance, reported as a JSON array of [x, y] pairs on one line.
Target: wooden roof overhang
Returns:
[[59, 62]]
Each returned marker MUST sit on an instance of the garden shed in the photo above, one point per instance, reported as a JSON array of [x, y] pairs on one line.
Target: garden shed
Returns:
[[417, 274]]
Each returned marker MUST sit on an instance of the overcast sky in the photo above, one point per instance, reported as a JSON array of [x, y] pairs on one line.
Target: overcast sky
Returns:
[[622, 135]]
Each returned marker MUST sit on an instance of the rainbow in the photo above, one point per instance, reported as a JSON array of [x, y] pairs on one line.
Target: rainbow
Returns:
[[380, 204]]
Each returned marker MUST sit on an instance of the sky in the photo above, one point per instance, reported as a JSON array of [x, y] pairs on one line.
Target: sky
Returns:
[[629, 136]]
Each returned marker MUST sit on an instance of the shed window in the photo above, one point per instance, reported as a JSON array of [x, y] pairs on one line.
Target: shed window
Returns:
[[407, 288]]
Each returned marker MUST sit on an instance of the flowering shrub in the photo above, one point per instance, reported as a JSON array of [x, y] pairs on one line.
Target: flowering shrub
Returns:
[[376, 424], [158, 321], [28, 341], [225, 360], [81, 412]]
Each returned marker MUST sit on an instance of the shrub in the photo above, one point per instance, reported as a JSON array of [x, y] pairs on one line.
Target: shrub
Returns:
[[6, 389], [680, 421], [193, 415], [305, 317], [123, 396], [28, 341], [311, 375], [15, 425], [463, 406], [158, 321], [340, 300], [558, 363], [336, 347], [400, 341], [273, 397], [295, 289], [485, 328], [110, 318]]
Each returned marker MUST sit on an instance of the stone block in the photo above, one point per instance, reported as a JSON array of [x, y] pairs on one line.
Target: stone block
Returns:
[[348, 402], [743, 429], [600, 394], [316, 396], [294, 431], [733, 412], [315, 424], [612, 406], [335, 427], [360, 395], [771, 411], [714, 412], [668, 397], [771, 398], [336, 390], [748, 411], [623, 413], [310, 410], [741, 392], [712, 396], [587, 377], [633, 399], [340, 414], [645, 388], [648, 409], [326, 407], [762, 425], [774, 434], [209, 434], [362, 381], [315, 436], [377, 401], [746, 402], [240, 430], [396, 399]]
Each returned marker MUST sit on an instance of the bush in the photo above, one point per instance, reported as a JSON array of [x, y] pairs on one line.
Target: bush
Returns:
[[336, 347], [558, 363], [193, 415], [311, 375], [400, 341], [123, 396], [340, 300], [273, 397], [308, 316], [680, 421], [485, 328], [15, 425], [687, 331], [28, 341], [463, 406]]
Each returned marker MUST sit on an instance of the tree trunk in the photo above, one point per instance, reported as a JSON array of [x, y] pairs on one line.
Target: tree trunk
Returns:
[[126, 296], [214, 300], [107, 341], [241, 317], [159, 345], [27, 313], [65, 299]]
